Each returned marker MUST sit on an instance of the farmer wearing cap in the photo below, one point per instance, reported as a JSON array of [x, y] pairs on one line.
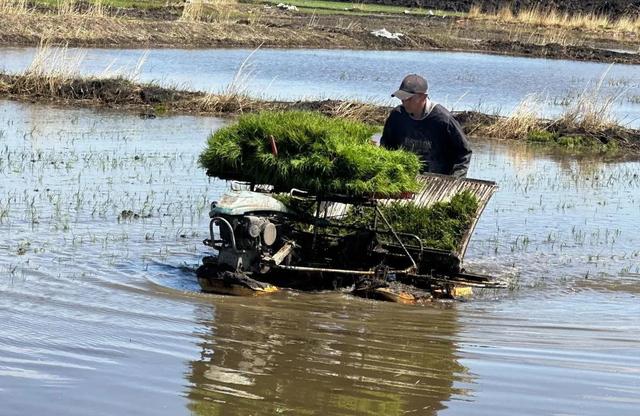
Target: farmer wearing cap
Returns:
[[427, 129]]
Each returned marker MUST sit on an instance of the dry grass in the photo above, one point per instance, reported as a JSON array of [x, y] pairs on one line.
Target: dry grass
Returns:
[[476, 12], [193, 11], [50, 69], [348, 25], [550, 17], [59, 82], [234, 97], [14, 7], [519, 33], [61, 8], [66, 7], [516, 126], [628, 24], [229, 103], [115, 31], [97, 9], [352, 110], [207, 10], [5, 87], [591, 111], [54, 72]]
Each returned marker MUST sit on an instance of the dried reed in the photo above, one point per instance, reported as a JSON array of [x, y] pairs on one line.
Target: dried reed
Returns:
[[516, 126], [51, 69], [66, 7], [550, 17], [234, 97], [352, 110], [13, 6], [591, 111], [193, 11]]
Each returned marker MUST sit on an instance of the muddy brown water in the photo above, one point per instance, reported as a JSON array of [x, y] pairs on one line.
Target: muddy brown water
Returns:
[[102, 315]]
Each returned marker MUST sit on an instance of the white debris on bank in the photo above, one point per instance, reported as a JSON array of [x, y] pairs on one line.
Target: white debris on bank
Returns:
[[289, 7], [384, 33]]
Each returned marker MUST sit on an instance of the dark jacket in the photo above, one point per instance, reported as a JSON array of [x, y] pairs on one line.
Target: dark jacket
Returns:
[[437, 139]]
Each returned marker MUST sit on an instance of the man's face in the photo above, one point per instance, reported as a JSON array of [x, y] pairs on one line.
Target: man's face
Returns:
[[415, 104]]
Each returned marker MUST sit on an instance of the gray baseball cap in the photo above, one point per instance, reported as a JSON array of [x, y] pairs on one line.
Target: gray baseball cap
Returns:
[[411, 85]]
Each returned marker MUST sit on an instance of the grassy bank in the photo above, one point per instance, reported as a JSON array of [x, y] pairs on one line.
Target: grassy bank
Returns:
[[315, 24], [54, 77], [584, 126]]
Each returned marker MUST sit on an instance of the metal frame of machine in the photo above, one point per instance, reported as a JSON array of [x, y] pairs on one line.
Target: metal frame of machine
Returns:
[[262, 244]]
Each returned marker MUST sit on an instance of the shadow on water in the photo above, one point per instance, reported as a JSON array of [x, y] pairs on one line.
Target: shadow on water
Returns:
[[324, 354]]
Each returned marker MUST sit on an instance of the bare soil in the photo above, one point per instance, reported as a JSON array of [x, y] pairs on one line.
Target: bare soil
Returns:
[[252, 25]]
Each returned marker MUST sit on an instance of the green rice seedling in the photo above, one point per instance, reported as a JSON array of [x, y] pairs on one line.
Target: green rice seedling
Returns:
[[307, 150], [541, 136], [634, 99], [441, 225]]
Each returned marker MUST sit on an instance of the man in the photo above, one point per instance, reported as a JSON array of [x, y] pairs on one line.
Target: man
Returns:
[[428, 129]]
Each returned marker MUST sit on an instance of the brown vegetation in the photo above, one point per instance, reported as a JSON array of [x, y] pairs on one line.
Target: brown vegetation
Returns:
[[585, 119], [585, 122], [224, 23], [613, 8], [551, 17]]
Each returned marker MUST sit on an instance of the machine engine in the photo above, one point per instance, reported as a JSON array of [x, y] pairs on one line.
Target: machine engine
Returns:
[[249, 230]]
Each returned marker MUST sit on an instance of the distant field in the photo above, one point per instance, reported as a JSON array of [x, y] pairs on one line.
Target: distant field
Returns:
[[339, 7], [129, 4]]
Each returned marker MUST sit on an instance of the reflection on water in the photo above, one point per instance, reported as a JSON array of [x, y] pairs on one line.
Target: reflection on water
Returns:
[[345, 358], [102, 314], [461, 81]]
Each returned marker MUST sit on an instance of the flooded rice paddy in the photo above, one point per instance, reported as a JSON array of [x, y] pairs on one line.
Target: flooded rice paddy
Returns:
[[461, 81], [102, 216]]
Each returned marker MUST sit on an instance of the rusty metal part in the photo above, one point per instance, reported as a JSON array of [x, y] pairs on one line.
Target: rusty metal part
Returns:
[[282, 254]]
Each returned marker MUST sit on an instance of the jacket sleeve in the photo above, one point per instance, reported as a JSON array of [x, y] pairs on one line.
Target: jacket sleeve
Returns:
[[461, 150], [390, 138]]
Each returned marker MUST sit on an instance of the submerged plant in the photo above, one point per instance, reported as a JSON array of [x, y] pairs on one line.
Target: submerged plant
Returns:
[[306, 150]]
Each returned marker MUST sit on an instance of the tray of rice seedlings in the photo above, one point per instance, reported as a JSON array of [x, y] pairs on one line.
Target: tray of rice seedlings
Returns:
[[309, 151], [442, 225]]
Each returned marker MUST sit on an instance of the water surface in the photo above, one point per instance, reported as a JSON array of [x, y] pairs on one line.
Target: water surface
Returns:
[[102, 314], [460, 81]]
